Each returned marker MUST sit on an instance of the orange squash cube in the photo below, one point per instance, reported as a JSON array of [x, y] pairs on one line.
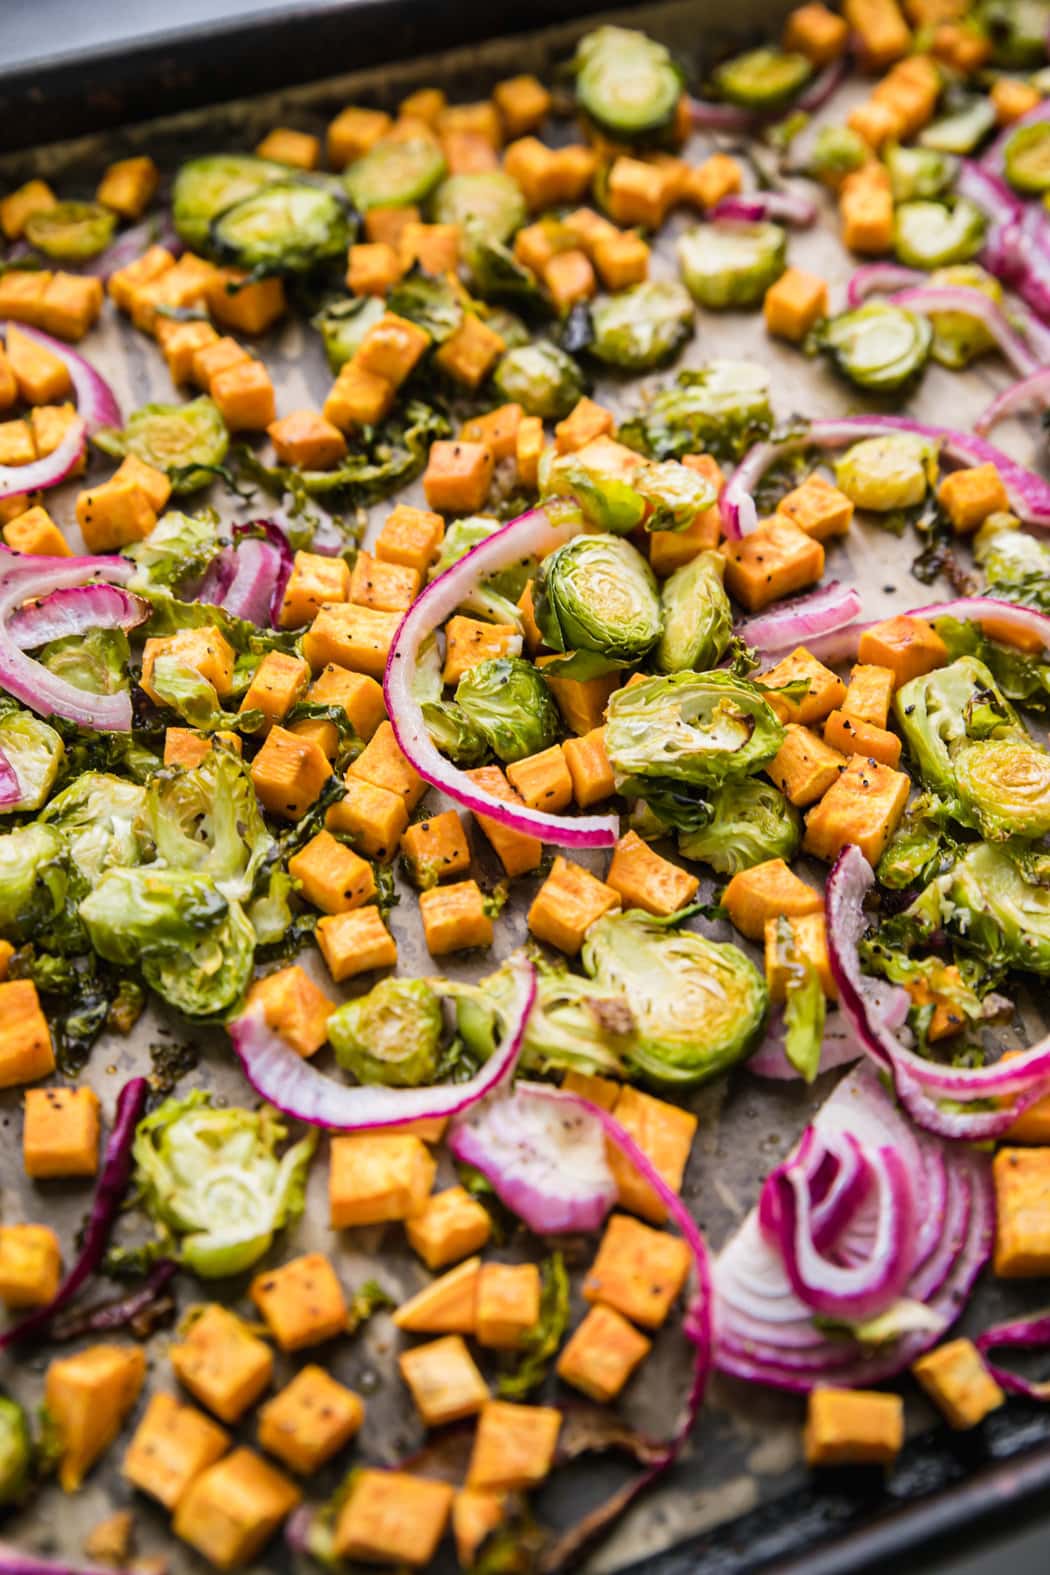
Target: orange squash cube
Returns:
[[451, 1226], [60, 1133], [310, 1420], [448, 1305], [391, 1517], [294, 1008], [881, 32], [88, 1395], [245, 397], [298, 149], [809, 939], [353, 132], [852, 1427], [1022, 1191], [764, 892], [794, 303], [588, 764], [436, 848], [358, 398], [957, 1380], [18, 207], [523, 103], [306, 439], [513, 1446], [26, 1054], [458, 476], [382, 763], [357, 942], [814, 31], [665, 1133], [42, 377], [645, 880], [351, 636], [22, 295], [128, 186], [36, 532], [621, 259], [388, 587], [389, 224], [567, 904], [314, 581], [391, 348], [469, 354], [601, 1355], [288, 773], [817, 507], [280, 680], [543, 780], [909, 647], [222, 1363], [854, 737], [569, 277], [302, 1302], [508, 1304], [826, 689], [443, 1380], [454, 918], [638, 1271], [806, 765], [969, 496], [372, 816], [864, 806], [469, 641], [331, 876], [774, 560], [868, 694], [378, 1176], [357, 695], [373, 268], [30, 1265], [498, 430], [586, 422], [170, 1447], [205, 649], [435, 247], [122, 285], [717, 177], [230, 1512], [411, 537], [516, 851]]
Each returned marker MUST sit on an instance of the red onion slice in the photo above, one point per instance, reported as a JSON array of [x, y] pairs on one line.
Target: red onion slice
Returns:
[[13, 1561], [709, 115], [249, 581], [929, 299], [74, 611], [109, 1195], [1031, 390], [823, 85], [874, 278], [531, 535], [921, 1084], [1024, 1334], [820, 612], [96, 402], [281, 1076], [546, 1160], [40, 474], [783, 207]]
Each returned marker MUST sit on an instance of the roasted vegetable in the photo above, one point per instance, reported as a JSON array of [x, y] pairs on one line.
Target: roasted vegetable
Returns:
[[887, 473], [936, 235], [71, 231], [488, 204], [394, 174], [35, 752], [541, 378], [751, 821], [207, 186], [919, 173], [286, 228], [641, 327], [698, 619], [628, 84], [1026, 159], [506, 700], [762, 78], [391, 1035], [722, 408], [596, 601], [732, 263], [704, 729], [175, 439], [877, 346]]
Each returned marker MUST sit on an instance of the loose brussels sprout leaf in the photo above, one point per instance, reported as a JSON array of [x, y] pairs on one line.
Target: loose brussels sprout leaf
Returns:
[[702, 728], [35, 881], [877, 346], [934, 234], [887, 473], [383, 458], [213, 1182], [731, 263], [751, 822], [1026, 159], [920, 848], [496, 274], [721, 409], [343, 325], [207, 186], [189, 694], [177, 550], [990, 909], [1023, 677], [1005, 784], [288, 228], [174, 439], [135, 913], [596, 600], [697, 1005], [698, 620], [488, 203], [212, 973], [435, 304], [208, 820], [626, 83], [96, 661], [939, 710], [1016, 565], [71, 231], [16, 1452], [35, 752], [837, 151], [762, 78], [804, 1005], [1017, 29], [395, 174], [391, 1035], [643, 326], [573, 1025], [957, 338], [540, 378], [100, 817], [507, 701], [962, 129], [919, 173]]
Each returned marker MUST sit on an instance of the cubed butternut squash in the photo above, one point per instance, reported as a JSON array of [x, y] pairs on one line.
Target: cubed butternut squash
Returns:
[[664, 1132], [454, 918], [356, 942], [814, 31], [817, 507], [353, 132], [114, 515], [411, 537], [542, 780], [302, 1302], [392, 1517], [1012, 98], [128, 185], [304, 438], [805, 766], [26, 1053], [469, 354], [638, 1271], [1022, 1194], [589, 767], [866, 211], [358, 398], [245, 396], [882, 34], [708, 183], [299, 149], [36, 532], [956, 1378], [448, 1305], [969, 496], [443, 1380], [373, 817], [469, 641], [458, 476], [908, 646], [810, 941], [382, 763], [826, 689], [523, 103], [60, 1132], [279, 682], [861, 738], [451, 1226], [869, 694], [378, 1176], [391, 348], [645, 880], [567, 904], [435, 247], [863, 806], [516, 850], [88, 1395], [288, 773], [331, 876], [601, 1354], [513, 1446], [230, 1512], [359, 697], [373, 268], [222, 1363], [42, 377], [30, 1265], [18, 207], [853, 1427], [387, 587], [584, 423], [170, 1448], [351, 636], [621, 259], [772, 561], [315, 581], [794, 303], [436, 848], [508, 1304], [759, 894], [310, 1420], [581, 701], [497, 429], [294, 1007]]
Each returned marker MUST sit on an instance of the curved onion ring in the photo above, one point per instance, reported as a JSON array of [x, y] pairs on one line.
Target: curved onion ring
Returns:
[[1031, 390], [96, 402], [820, 612], [75, 611], [40, 474]]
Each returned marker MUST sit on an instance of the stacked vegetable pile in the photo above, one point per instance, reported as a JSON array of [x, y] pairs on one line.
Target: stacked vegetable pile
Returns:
[[793, 835]]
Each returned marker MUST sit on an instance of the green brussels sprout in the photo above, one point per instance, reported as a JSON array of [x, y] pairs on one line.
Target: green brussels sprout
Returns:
[[71, 231], [596, 600], [207, 186], [626, 83], [804, 1004], [643, 326], [286, 228], [962, 129], [957, 338], [100, 816], [214, 1184], [136, 913], [877, 346], [187, 442], [541, 378], [35, 752], [179, 548], [509, 326], [506, 699], [919, 173], [697, 1005], [721, 409], [762, 78], [211, 973], [938, 710], [731, 262], [574, 1024], [698, 620], [97, 661], [617, 491], [1017, 29], [395, 174], [488, 203], [705, 729], [1005, 784], [1008, 554], [920, 848], [935, 234], [990, 909], [35, 881], [752, 821], [1023, 677], [391, 1035], [887, 473], [1026, 159], [436, 304], [462, 535], [16, 1452], [837, 151], [344, 323], [208, 820]]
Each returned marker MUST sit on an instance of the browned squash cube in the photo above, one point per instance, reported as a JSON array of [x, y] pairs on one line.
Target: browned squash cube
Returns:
[[567, 904], [391, 1517], [288, 773], [302, 1302], [310, 1420], [513, 1446], [170, 1448], [444, 1380], [601, 1355], [638, 1271], [61, 1131], [230, 1512]]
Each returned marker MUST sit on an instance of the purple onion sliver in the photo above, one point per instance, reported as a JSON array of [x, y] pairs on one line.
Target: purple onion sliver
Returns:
[[40, 474], [820, 612], [73, 611], [1031, 390]]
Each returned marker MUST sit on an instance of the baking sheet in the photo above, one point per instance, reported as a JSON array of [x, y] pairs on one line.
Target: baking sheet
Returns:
[[746, 1456]]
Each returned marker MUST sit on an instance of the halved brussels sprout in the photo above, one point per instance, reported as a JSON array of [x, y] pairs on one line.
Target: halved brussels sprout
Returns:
[[207, 186], [175, 439], [395, 174], [628, 84], [762, 78], [541, 378], [487, 202], [643, 326], [1017, 29], [751, 822], [1026, 159], [343, 325], [596, 600], [700, 728], [100, 816], [16, 1452], [697, 1005], [732, 263], [935, 235], [721, 409], [1005, 782], [878, 346], [887, 473], [35, 752], [616, 490], [939, 710], [211, 973], [97, 661], [71, 231], [962, 129], [287, 228], [391, 1035], [436, 304], [958, 338], [35, 881], [919, 173], [837, 151], [1015, 563], [179, 548], [135, 913], [507, 701], [698, 620], [991, 910]]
